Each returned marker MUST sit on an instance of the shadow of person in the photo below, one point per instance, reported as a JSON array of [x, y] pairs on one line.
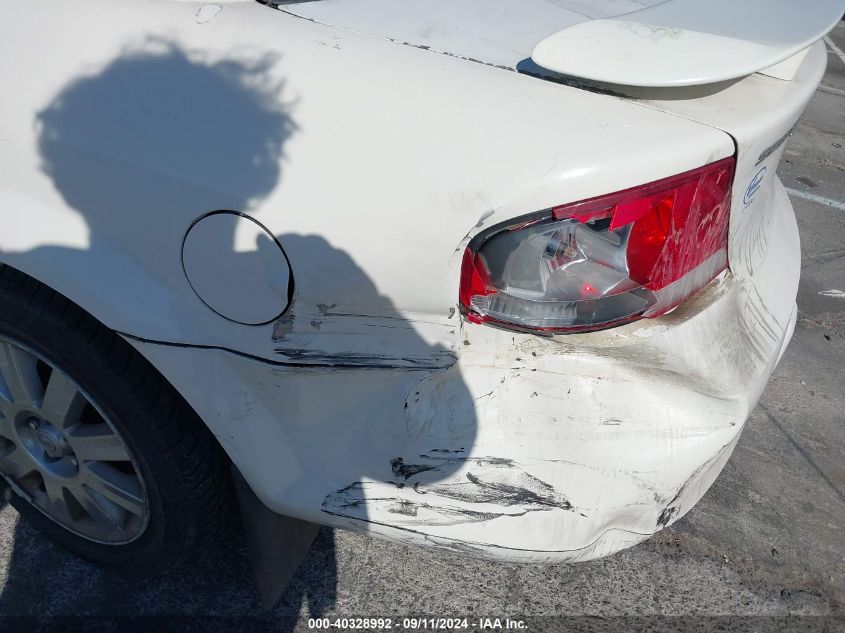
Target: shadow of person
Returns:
[[160, 117], [138, 150]]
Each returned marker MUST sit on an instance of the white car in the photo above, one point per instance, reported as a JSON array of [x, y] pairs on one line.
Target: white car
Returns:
[[499, 277]]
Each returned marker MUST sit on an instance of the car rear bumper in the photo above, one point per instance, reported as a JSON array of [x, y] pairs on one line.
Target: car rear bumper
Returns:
[[628, 428], [527, 448]]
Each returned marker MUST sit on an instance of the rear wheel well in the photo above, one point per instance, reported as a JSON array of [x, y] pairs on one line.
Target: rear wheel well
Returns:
[[44, 294], [187, 450]]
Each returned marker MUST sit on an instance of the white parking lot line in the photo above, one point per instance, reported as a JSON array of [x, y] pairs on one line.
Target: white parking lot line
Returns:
[[831, 90], [806, 195], [833, 47]]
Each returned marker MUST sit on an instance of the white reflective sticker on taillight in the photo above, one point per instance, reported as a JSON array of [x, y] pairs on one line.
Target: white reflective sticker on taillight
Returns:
[[604, 261]]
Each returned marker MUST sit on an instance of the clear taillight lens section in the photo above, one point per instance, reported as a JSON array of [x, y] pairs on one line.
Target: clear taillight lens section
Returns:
[[603, 261]]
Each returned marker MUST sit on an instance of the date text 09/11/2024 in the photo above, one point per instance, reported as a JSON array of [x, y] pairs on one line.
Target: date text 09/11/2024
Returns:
[[417, 624]]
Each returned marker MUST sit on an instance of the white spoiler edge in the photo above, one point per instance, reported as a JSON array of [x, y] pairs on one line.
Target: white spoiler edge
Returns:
[[691, 42]]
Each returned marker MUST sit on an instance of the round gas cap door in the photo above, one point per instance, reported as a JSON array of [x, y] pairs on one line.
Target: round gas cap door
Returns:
[[237, 268]]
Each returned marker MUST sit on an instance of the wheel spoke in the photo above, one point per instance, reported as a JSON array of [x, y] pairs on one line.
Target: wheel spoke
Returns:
[[104, 512], [61, 455], [63, 403], [17, 463], [119, 488], [96, 442], [53, 500], [6, 427], [55, 494], [19, 380]]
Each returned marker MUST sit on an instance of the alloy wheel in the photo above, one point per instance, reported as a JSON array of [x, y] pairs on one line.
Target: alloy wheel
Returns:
[[60, 453]]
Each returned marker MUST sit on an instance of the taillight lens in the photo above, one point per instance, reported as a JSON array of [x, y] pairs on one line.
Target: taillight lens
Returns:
[[603, 261]]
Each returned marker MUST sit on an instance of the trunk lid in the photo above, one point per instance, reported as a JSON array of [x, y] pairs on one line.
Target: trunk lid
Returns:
[[625, 42], [495, 32]]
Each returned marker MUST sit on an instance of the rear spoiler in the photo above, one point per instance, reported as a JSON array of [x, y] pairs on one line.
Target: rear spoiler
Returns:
[[691, 42]]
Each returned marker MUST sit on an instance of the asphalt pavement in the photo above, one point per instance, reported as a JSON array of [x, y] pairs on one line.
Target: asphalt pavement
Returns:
[[766, 541]]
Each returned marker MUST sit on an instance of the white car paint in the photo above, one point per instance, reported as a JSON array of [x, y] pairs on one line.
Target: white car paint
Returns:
[[370, 404], [334, 102], [689, 42], [496, 32]]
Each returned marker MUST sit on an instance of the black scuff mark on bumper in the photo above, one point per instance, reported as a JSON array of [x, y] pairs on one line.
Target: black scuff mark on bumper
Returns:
[[666, 517], [475, 548], [324, 308], [491, 488], [673, 509], [312, 360], [540, 494], [406, 471], [328, 311], [350, 500], [373, 361], [284, 324], [461, 548]]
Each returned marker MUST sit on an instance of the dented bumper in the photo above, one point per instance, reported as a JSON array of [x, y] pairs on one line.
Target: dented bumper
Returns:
[[525, 448]]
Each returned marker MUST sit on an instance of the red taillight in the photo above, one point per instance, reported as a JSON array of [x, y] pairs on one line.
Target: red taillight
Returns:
[[603, 261], [475, 282]]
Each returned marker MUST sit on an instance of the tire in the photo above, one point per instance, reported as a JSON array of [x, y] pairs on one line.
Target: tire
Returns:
[[183, 473]]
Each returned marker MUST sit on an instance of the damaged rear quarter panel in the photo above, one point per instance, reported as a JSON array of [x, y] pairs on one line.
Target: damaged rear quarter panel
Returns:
[[524, 448], [369, 404]]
